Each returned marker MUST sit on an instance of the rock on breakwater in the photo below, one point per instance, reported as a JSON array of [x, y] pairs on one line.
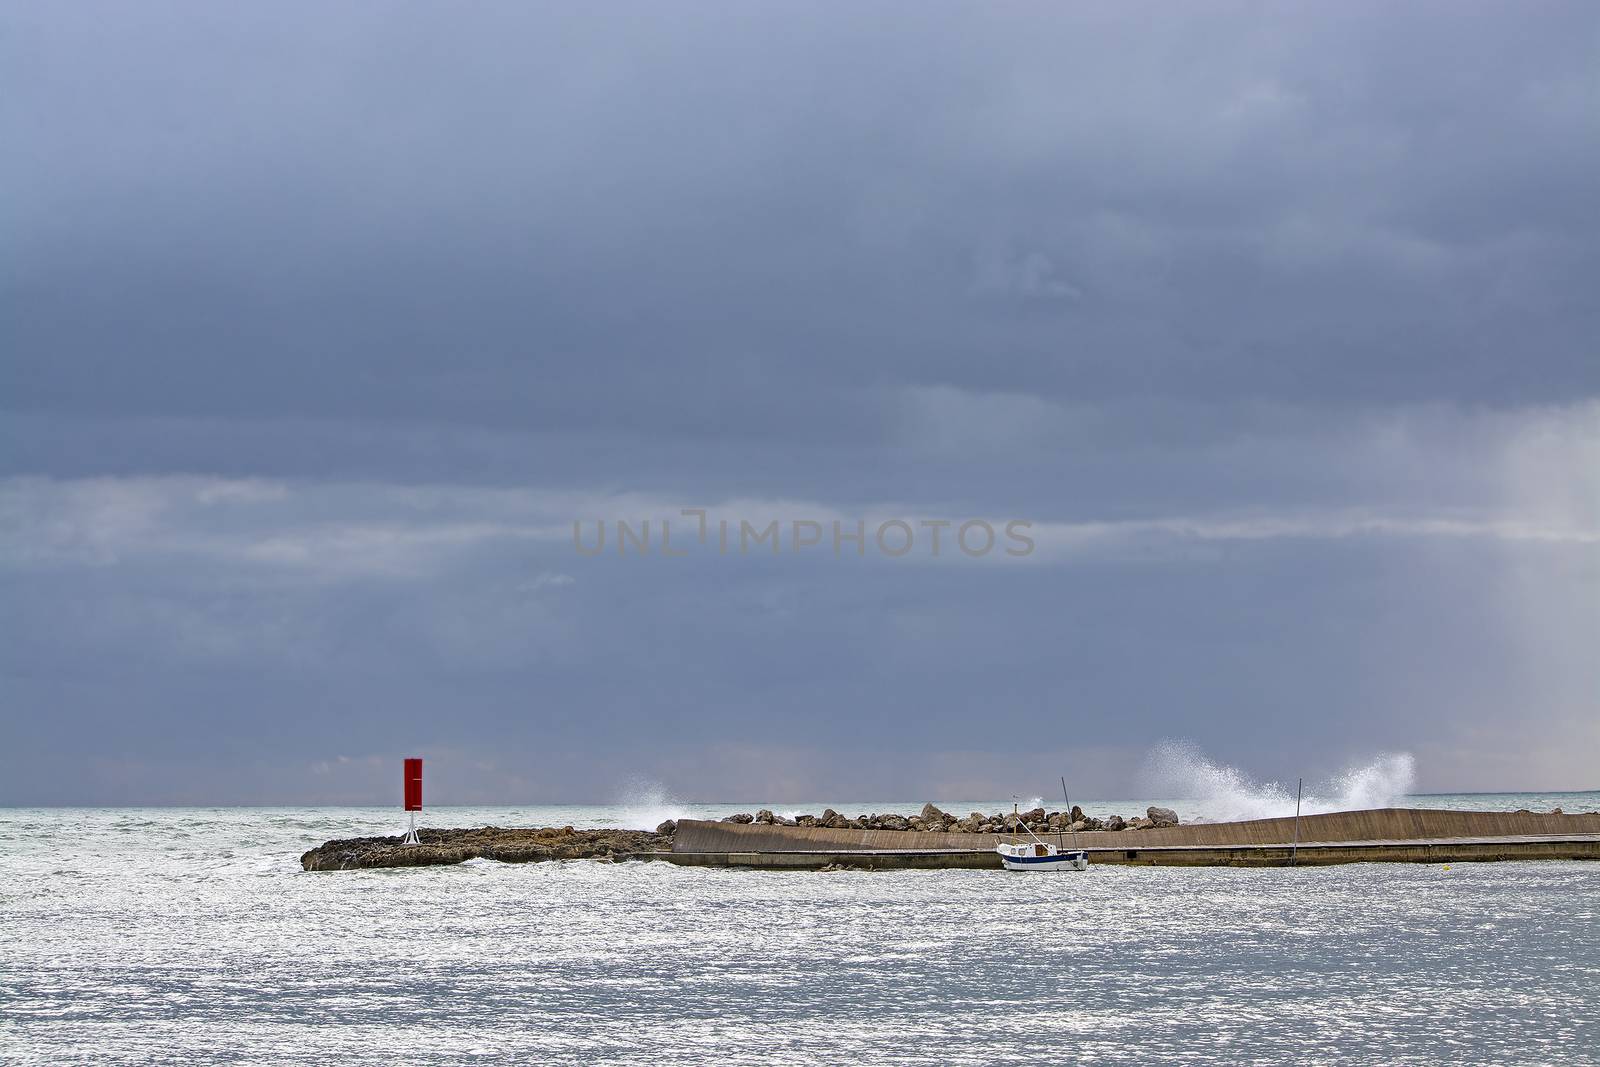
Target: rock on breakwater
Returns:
[[932, 820], [516, 845]]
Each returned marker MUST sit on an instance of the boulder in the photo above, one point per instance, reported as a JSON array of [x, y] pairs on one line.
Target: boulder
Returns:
[[1033, 817], [1139, 824], [931, 813], [1116, 822], [1161, 816], [668, 827], [827, 815], [1079, 825], [765, 817], [742, 817], [1077, 813]]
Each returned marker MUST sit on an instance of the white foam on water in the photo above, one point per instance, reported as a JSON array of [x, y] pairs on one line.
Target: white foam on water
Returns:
[[1215, 792]]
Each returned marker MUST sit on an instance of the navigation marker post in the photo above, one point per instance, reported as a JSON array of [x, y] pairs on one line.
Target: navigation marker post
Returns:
[[412, 778]]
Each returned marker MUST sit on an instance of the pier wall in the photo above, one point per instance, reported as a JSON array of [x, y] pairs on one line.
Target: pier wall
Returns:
[[1381, 825], [1317, 855]]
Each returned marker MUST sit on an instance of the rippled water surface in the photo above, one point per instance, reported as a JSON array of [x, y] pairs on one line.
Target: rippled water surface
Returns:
[[192, 935]]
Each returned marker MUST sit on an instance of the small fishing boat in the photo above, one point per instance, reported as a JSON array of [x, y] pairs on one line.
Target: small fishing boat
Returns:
[[1037, 854], [1042, 856]]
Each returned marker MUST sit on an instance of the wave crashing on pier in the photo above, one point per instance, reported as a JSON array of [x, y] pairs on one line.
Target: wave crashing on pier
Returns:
[[1215, 792]]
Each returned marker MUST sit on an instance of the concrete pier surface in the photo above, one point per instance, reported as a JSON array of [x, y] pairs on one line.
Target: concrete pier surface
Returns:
[[1382, 835]]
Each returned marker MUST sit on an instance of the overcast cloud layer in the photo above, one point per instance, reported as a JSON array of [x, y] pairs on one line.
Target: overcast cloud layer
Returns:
[[322, 325]]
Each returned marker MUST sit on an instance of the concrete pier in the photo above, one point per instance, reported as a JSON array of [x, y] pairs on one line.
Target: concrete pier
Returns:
[[1384, 835]]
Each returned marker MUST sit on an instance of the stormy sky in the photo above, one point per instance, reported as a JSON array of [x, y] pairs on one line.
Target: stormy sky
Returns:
[[320, 325]]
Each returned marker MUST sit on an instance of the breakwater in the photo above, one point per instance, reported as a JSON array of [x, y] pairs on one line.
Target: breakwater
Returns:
[[509, 845], [1378, 824], [1377, 835]]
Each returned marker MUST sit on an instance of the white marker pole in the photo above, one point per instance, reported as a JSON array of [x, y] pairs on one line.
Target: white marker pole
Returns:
[[1299, 784]]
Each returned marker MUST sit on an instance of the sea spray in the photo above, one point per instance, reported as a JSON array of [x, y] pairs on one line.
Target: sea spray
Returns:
[[646, 804], [1207, 791], [1377, 784]]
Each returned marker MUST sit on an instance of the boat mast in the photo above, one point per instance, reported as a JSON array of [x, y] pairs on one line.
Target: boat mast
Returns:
[[1068, 800]]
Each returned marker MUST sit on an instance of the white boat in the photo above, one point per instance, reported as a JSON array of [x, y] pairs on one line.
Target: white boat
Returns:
[[1039, 855], [1042, 856]]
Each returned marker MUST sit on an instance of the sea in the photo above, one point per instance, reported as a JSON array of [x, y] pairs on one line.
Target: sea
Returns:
[[192, 936]]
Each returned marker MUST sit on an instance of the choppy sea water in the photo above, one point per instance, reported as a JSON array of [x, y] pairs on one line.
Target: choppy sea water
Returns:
[[168, 935]]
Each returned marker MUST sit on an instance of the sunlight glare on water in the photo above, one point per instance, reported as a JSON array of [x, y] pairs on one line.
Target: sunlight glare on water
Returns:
[[162, 935]]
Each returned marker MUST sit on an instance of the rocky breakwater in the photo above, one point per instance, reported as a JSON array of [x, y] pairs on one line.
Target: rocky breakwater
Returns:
[[932, 820], [526, 845]]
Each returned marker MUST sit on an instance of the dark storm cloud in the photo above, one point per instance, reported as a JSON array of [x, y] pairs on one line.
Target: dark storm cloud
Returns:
[[522, 217], [1315, 283]]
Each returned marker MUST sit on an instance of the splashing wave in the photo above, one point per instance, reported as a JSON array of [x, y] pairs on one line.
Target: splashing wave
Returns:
[[646, 805], [1214, 792]]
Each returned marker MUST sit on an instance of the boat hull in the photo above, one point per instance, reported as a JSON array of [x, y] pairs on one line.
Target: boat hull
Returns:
[[1062, 861]]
